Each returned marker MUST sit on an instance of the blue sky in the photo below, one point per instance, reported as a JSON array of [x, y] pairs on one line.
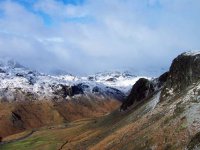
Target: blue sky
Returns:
[[87, 36], [48, 20]]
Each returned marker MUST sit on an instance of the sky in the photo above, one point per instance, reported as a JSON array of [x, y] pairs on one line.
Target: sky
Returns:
[[88, 36]]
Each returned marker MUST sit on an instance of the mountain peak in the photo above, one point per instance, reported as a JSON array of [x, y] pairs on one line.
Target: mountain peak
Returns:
[[184, 72]]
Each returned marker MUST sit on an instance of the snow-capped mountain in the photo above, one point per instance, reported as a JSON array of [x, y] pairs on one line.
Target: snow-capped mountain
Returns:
[[122, 81], [18, 82]]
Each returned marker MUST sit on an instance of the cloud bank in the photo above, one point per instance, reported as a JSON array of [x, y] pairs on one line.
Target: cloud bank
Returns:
[[87, 36]]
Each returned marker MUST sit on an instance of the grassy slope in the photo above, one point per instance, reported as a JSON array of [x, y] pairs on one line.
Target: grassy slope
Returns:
[[35, 114]]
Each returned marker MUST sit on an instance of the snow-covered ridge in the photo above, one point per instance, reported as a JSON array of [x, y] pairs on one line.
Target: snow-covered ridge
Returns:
[[120, 80], [16, 79], [192, 53]]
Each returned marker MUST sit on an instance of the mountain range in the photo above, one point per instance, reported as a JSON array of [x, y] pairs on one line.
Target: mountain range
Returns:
[[17, 81], [105, 111]]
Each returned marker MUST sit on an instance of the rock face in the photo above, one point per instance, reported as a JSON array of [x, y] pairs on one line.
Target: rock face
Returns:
[[184, 71], [162, 79], [143, 89], [63, 90], [16, 120]]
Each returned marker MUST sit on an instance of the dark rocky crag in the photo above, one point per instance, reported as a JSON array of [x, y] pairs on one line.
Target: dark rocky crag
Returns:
[[184, 71], [143, 89]]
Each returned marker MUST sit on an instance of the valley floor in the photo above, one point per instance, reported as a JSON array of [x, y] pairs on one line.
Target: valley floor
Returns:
[[52, 137]]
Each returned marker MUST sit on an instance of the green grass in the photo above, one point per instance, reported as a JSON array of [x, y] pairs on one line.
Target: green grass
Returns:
[[181, 127], [49, 139], [31, 143]]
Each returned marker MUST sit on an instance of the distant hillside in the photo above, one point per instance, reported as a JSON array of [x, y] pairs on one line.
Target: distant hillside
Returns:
[[29, 99]]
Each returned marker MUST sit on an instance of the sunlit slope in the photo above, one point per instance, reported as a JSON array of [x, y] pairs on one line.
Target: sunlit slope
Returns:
[[18, 117]]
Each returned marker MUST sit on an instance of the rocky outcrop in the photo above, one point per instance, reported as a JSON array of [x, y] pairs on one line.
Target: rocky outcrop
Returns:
[[162, 79], [143, 89], [184, 71], [77, 89], [16, 120], [63, 90]]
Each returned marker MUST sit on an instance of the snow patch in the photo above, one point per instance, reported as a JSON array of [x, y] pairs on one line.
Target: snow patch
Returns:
[[151, 105], [14, 76], [155, 100], [192, 53]]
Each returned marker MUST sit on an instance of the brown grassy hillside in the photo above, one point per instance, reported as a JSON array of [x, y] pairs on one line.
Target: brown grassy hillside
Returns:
[[19, 116]]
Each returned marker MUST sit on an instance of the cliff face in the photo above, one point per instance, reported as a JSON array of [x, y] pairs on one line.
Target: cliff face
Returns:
[[144, 89], [141, 89], [184, 72]]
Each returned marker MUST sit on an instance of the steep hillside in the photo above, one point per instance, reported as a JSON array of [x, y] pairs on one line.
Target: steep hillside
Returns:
[[16, 117]]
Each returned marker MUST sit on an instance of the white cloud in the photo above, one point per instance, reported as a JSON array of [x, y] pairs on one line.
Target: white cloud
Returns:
[[99, 35]]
